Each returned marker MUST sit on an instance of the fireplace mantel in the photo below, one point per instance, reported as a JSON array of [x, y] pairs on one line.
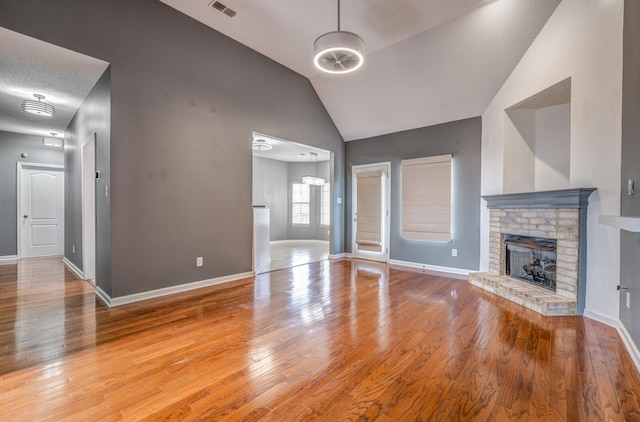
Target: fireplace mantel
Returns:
[[551, 199]]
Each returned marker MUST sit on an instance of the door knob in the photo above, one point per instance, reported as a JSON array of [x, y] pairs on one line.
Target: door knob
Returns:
[[25, 216]]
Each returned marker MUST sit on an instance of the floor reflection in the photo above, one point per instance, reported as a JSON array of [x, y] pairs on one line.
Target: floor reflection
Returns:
[[47, 312], [290, 253]]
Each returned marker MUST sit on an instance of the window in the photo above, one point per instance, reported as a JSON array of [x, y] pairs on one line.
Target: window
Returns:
[[300, 199], [325, 205], [426, 198]]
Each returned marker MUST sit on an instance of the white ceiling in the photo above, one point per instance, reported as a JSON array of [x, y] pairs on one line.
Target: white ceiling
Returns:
[[290, 151], [426, 61], [29, 66]]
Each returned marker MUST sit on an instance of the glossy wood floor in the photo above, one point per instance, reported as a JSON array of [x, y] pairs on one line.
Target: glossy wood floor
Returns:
[[326, 341]]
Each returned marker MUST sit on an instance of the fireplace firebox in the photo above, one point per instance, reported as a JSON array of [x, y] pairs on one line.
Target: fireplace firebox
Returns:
[[532, 259]]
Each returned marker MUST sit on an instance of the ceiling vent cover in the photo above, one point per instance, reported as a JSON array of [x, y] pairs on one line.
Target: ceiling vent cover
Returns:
[[218, 5], [223, 8]]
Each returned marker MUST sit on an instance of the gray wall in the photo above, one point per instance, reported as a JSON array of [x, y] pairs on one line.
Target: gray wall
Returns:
[[93, 117], [314, 230], [270, 188], [630, 205], [462, 139], [12, 145], [185, 101]]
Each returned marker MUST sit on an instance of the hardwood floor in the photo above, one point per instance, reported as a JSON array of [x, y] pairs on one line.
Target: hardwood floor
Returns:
[[295, 252], [326, 341]]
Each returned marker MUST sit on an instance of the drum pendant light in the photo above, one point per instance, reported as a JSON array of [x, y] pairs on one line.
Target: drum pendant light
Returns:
[[338, 51], [39, 108]]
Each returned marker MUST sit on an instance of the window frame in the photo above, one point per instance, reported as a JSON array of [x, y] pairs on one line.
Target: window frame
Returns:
[[325, 203], [302, 203]]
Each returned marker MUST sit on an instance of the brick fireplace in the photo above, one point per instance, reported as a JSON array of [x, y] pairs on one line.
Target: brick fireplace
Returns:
[[559, 216]]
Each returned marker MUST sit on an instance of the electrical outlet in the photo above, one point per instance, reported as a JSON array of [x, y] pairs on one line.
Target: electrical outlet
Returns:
[[73, 248], [628, 299], [454, 252], [199, 261]]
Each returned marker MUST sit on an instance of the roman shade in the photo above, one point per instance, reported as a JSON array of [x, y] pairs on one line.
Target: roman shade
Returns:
[[369, 210], [426, 198]]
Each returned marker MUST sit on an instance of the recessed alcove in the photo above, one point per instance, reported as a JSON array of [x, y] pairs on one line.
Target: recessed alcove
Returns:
[[537, 141]]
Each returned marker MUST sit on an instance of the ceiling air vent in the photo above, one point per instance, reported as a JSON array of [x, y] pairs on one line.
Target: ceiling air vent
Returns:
[[218, 5], [223, 8]]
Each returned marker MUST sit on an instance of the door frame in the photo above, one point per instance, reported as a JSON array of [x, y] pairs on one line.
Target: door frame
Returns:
[[22, 165], [386, 211], [92, 209]]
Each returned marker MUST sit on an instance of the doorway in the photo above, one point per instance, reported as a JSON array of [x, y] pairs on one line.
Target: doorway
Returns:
[[292, 184], [40, 209], [371, 204]]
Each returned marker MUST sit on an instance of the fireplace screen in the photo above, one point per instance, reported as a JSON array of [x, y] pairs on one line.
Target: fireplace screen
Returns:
[[532, 259]]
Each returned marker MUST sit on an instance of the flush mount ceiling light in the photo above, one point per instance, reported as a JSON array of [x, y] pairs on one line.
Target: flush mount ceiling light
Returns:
[[313, 180], [39, 107], [338, 51], [261, 145], [53, 141]]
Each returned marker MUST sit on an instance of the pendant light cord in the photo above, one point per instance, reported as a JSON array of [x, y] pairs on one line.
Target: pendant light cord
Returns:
[[338, 15]]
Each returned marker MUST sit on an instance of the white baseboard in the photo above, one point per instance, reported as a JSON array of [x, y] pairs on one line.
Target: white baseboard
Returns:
[[77, 271], [138, 297], [629, 344], [8, 259], [343, 255], [277, 242], [437, 268], [264, 265], [600, 317], [104, 298]]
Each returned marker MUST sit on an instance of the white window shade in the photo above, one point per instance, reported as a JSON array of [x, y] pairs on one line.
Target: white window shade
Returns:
[[369, 197], [426, 198]]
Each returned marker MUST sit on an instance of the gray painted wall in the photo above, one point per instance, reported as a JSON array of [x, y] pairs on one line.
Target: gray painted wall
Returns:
[[270, 188], [462, 139], [314, 230], [93, 117], [12, 145], [630, 205], [185, 101]]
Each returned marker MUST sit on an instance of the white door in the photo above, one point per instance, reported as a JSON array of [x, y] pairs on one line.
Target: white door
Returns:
[[40, 211], [89, 209], [371, 211]]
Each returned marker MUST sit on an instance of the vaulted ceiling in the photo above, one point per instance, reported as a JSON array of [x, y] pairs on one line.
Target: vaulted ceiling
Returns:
[[427, 61]]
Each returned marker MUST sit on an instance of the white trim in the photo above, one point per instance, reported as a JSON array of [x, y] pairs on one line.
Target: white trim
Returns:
[[276, 242], [263, 266], [77, 271], [138, 297], [85, 253], [417, 265], [629, 344], [343, 255], [385, 166], [8, 259], [103, 297], [19, 214], [600, 317]]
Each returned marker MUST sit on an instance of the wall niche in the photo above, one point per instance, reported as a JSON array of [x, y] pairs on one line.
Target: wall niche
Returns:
[[537, 141]]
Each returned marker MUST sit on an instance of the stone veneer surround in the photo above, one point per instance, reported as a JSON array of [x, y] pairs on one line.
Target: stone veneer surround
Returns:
[[557, 215]]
